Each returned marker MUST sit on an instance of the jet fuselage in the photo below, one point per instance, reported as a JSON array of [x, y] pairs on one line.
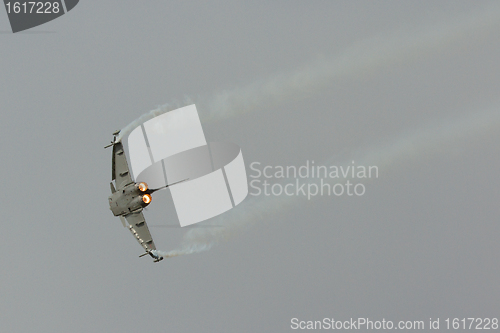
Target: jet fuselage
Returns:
[[131, 198]]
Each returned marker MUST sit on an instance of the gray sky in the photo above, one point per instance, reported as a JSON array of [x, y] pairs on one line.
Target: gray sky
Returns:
[[409, 86]]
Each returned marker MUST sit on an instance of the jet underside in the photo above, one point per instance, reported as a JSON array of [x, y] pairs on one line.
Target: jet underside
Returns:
[[128, 199]]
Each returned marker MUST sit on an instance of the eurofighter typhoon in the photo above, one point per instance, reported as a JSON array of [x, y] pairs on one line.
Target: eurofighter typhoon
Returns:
[[166, 149], [128, 198]]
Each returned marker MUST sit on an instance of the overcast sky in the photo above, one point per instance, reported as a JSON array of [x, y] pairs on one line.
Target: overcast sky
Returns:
[[408, 86]]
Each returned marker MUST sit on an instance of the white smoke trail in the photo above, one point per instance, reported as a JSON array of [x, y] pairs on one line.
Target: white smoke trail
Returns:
[[359, 60], [356, 61], [150, 115], [435, 138]]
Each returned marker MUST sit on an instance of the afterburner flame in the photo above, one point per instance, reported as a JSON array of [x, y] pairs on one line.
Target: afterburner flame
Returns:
[[146, 198], [143, 187]]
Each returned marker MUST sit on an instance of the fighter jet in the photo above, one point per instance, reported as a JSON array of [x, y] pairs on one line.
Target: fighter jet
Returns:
[[128, 199]]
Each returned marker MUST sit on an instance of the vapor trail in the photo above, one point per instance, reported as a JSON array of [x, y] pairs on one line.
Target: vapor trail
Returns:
[[150, 115], [432, 139], [356, 61]]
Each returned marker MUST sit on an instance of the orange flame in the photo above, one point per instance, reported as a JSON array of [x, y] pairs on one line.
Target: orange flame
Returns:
[[146, 198]]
